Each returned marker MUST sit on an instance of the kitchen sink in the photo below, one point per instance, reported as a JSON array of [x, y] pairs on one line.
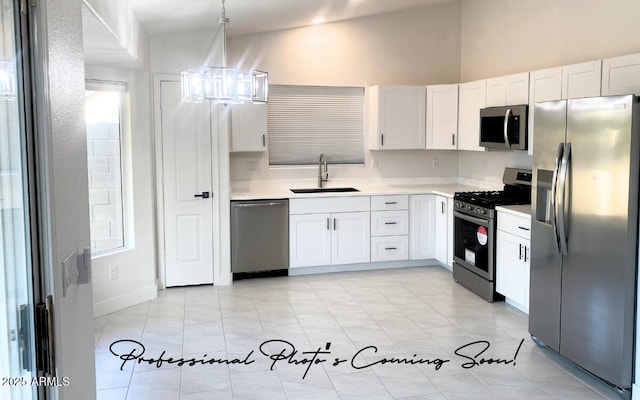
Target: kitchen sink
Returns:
[[325, 190]]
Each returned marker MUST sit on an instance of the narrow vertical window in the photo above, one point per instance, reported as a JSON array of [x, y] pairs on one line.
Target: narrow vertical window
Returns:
[[104, 111]]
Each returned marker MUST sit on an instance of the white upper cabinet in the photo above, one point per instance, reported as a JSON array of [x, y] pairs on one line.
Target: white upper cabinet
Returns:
[[566, 82], [544, 85], [621, 75], [248, 127], [442, 117], [473, 97], [508, 90], [581, 80], [396, 117]]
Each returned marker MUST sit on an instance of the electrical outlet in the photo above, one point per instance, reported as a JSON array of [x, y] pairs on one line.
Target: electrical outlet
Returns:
[[436, 163], [252, 166], [374, 164], [113, 272]]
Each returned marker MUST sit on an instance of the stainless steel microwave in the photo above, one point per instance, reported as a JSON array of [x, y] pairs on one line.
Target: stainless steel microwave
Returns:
[[504, 127]]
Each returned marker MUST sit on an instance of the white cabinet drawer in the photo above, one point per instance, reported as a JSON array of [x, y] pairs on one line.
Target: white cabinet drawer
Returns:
[[514, 224], [389, 248], [329, 205], [392, 202], [389, 223]]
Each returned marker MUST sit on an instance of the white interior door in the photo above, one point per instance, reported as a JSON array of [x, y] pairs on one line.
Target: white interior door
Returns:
[[187, 189]]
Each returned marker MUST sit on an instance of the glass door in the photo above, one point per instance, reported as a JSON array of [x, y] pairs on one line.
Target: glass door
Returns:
[[17, 339]]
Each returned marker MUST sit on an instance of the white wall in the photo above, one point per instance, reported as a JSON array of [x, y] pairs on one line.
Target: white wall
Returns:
[[136, 267], [500, 37], [66, 206], [113, 35], [415, 47], [508, 36]]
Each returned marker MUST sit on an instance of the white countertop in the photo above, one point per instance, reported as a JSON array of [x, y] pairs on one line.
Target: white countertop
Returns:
[[523, 210], [364, 190]]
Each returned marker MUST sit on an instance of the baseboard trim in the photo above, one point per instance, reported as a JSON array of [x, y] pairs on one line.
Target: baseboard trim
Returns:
[[126, 300], [361, 267]]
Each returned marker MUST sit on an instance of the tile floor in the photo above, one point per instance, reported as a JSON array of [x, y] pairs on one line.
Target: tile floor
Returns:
[[416, 314]]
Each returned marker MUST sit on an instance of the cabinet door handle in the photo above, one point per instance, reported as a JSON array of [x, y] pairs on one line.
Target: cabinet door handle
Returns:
[[390, 202], [524, 228], [453, 139], [391, 223], [525, 253], [391, 248], [520, 252], [442, 207], [328, 226], [264, 140], [382, 139], [334, 225]]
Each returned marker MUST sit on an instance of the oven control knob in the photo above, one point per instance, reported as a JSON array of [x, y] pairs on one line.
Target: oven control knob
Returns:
[[478, 210]]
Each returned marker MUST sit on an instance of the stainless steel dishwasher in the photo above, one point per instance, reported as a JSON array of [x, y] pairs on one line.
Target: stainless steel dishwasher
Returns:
[[259, 235]]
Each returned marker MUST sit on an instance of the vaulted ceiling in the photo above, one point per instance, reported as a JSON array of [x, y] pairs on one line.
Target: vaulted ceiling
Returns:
[[250, 16]]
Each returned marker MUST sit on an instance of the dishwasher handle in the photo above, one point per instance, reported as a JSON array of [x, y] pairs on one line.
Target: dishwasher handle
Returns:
[[249, 205]]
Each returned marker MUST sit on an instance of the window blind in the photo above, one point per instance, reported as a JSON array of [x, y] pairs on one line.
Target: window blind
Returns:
[[304, 121]]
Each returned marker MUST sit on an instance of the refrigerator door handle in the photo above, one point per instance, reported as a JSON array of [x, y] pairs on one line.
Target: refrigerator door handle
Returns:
[[562, 229], [507, 114], [554, 191]]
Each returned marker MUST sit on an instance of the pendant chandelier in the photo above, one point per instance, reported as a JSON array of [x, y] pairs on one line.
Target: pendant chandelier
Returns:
[[223, 84]]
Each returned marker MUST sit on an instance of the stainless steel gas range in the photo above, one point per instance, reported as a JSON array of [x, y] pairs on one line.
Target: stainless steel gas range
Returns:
[[474, 231]]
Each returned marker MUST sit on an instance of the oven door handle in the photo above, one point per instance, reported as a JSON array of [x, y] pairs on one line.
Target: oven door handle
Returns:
[[554, 195], [469, 218]]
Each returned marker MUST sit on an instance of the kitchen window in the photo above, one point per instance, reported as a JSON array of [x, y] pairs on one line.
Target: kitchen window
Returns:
[[305, 121], [106, 114]]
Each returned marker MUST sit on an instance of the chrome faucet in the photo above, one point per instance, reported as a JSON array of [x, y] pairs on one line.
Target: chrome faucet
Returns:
[[322, 164]]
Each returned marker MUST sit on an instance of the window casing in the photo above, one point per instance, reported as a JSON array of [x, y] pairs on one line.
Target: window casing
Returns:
[[107, 122], [305, 121]]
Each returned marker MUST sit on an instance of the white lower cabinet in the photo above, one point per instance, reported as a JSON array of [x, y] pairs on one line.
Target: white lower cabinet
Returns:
[[329, 238], [350, 238], [443, 234], [310, 240], [422, 226], [513, 254], [389, 228], [389, 248]]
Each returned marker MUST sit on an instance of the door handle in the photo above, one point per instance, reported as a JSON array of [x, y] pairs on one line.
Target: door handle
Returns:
[[520, 252], [562, 229], [204, 195], [554, 195]]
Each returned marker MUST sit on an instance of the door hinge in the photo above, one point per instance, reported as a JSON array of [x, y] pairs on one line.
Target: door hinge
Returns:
[[45, 344]]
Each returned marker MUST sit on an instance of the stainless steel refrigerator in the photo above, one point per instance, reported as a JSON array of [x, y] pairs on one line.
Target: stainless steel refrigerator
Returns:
[[585, 232]]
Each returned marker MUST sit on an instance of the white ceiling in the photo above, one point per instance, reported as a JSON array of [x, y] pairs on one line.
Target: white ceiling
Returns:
[[250, 16]]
